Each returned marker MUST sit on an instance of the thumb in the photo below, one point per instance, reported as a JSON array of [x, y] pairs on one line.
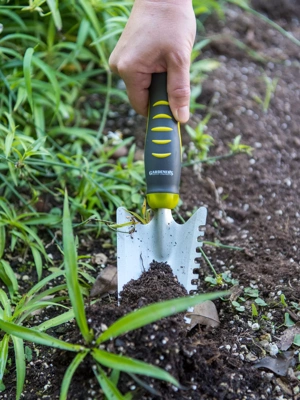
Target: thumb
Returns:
[[179, 92]]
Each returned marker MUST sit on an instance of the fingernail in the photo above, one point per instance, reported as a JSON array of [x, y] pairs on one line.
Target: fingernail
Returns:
[[182, 114]]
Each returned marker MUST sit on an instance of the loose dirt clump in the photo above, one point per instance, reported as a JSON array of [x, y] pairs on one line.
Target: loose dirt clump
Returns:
[[195, 358]]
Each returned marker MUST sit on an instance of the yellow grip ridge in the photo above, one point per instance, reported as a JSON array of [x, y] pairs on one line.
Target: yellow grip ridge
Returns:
[[161, 155], [161, 103], [166, 116], [157, 141], [161, 129]]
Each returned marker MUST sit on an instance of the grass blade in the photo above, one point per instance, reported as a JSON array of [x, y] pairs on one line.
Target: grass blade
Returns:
[[53, 5], [32, 335], [70, 258], [2, 239], [58, 320], [37, 261], [50, 73], [109, 388], [127, 364], [3, 359], [20, 364], [69, 374], [27, 74], [154, 312], [8, 276]]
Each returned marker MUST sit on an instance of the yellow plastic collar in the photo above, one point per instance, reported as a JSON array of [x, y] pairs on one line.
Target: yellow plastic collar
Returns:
[[163, 200]]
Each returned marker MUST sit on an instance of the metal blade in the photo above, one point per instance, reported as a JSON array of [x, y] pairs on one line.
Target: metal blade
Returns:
[[161, 240]]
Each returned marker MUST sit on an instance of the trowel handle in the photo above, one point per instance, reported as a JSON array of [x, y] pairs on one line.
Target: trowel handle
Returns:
[[162, 148]]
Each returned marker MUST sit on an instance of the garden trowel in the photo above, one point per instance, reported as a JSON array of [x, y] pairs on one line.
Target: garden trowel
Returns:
[[162, 239]]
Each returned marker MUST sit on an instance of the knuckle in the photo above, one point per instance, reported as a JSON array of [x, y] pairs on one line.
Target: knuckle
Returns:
[[180, 58], [182, 92]]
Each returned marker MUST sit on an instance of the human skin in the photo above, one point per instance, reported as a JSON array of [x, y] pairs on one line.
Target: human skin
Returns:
[[158, 37]]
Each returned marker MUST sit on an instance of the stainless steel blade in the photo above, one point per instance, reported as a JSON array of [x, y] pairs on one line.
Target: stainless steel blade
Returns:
[[161, 240]]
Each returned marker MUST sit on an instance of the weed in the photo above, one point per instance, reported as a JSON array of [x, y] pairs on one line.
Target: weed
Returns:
[[270, 91], [102, 358]]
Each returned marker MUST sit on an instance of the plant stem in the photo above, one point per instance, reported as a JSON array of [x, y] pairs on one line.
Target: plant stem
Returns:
[[208, 262], [208, 159], [223, 246]]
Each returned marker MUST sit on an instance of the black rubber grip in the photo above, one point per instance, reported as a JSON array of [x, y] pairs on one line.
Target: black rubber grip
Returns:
[[163, 142]]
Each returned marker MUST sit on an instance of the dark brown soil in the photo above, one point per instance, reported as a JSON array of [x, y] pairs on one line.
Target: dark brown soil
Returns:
[[253, 203]]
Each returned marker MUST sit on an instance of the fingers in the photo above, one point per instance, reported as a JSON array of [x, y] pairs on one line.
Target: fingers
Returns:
[[137, 85], [179, 90]]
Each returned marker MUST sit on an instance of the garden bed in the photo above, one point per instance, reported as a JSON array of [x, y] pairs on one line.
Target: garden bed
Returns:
[[253, 204]]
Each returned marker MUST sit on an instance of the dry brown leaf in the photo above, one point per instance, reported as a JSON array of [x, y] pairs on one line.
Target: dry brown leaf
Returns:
[[204, 314], [278, 365], [106, 282], [287, 337], [284, 387], [235, 292]]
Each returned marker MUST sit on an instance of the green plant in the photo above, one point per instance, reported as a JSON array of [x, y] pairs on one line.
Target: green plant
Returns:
[[101, 357], [271, 85], [202, 142], [21, 227], [51, 133], [15, 310]]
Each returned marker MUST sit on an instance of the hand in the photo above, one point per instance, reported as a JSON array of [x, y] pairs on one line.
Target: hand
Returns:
[[158, 37]]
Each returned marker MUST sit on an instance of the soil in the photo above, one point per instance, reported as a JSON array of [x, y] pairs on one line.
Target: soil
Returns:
[[253, 204]]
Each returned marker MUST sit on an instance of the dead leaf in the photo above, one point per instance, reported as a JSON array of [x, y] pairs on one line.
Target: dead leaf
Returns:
[[204, 314], [235, 291], [106, 282], [287, 337], [285, 388], [99, 259], [278, 365]]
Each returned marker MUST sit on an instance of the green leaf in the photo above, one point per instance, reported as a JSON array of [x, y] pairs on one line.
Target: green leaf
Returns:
[[254, 310], [205, 65], [296, 340], [4, 301], [28, 353], [109, 388], [10, 136], [8, 276], [154, 312], [251, 292], [27, 74], [282, 300], [3, 356], [70, 258], [131, 365], [53, 5], [211, 280], [20, 365], [237, 306], [288, 322], [77, 360], [43, 219], [37, 261], [58, 320], [260, 302], [50, 73], [37, 287], [32, 335]]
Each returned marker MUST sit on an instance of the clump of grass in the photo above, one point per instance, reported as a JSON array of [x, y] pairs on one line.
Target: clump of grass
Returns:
[[11, 323]]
